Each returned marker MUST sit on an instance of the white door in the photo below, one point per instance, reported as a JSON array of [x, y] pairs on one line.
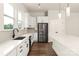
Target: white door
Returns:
[[35, 39]]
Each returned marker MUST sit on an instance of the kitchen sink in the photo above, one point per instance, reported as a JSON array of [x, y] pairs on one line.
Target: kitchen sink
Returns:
[[19, 38]]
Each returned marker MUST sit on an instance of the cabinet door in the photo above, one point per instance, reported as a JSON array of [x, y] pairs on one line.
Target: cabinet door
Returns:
[[20, 49], [32, 22], [26, 47], [35, 37], [12, 53], [23, 48], [26, 20], [45, 19], [42, 19], [39, 20]]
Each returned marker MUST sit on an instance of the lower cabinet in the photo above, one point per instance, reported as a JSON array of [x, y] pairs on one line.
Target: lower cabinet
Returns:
[[21, 50], [35, 37], [26, 47]]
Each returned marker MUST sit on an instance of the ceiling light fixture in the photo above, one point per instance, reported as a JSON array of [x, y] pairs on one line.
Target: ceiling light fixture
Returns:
[[39, 5], [59, 14], [68, 10]]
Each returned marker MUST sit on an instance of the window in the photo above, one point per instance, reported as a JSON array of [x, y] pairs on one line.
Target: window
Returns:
[[19, 19], [8, 16]]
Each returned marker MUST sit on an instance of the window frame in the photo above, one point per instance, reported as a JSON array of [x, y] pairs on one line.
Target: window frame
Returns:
[[20, 20], [10, 18]]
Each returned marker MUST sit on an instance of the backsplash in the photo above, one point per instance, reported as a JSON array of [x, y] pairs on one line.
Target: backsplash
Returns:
[[21, 32], [7, 35]]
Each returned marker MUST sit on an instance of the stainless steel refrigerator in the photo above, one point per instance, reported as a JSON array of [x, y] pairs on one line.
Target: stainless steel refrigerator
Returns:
[[42, 32]]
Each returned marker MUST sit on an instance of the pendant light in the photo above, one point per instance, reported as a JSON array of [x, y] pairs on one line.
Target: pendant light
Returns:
[[68, 10], [39, 5], [59, 14]]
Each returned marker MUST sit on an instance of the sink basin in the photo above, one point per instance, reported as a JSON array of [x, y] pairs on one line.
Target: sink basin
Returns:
[[19, 38]]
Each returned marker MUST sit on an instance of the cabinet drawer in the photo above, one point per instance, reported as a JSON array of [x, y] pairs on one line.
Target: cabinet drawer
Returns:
[[23, 48], [20, 49]]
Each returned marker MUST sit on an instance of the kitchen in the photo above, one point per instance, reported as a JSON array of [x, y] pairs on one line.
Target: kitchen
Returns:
[[23, 25]]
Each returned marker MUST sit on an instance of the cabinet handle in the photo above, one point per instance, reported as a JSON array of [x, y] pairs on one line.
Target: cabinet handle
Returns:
[[27, 45], [20, 46], [21, 50]]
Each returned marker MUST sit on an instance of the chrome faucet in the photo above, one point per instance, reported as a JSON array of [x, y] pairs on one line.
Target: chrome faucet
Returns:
[[14, 32]]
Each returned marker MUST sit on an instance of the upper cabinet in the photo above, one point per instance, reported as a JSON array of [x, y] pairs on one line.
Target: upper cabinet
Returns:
[[32, 22], [26, 20], [42, 19]]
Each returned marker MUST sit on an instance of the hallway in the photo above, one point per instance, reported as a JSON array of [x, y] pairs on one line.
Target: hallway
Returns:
[[42, 49]]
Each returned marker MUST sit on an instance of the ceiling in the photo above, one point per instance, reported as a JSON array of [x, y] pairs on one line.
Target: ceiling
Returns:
[[33, 7]]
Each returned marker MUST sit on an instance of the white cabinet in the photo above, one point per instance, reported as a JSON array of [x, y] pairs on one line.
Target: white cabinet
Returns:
[[26, 20], [35, 39], [12, 53], [23, 48], [32, 22], [39, 20], [26, 47], [42, 19], [20, 49]]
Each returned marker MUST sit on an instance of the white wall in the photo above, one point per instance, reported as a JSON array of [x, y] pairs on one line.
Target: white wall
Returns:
[[72, 24], [56, 24], [5, 35]]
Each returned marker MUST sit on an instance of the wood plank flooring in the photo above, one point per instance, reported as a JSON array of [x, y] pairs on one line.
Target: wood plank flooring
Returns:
[[42, 49]]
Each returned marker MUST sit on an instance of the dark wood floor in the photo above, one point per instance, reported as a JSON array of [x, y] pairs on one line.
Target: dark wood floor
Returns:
[[42, 49]]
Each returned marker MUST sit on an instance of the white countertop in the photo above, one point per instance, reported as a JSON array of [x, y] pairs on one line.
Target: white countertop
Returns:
[[69, 41], [7, 46]]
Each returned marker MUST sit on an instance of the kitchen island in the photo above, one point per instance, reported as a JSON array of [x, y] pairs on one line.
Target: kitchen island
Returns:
[[66, 45]]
